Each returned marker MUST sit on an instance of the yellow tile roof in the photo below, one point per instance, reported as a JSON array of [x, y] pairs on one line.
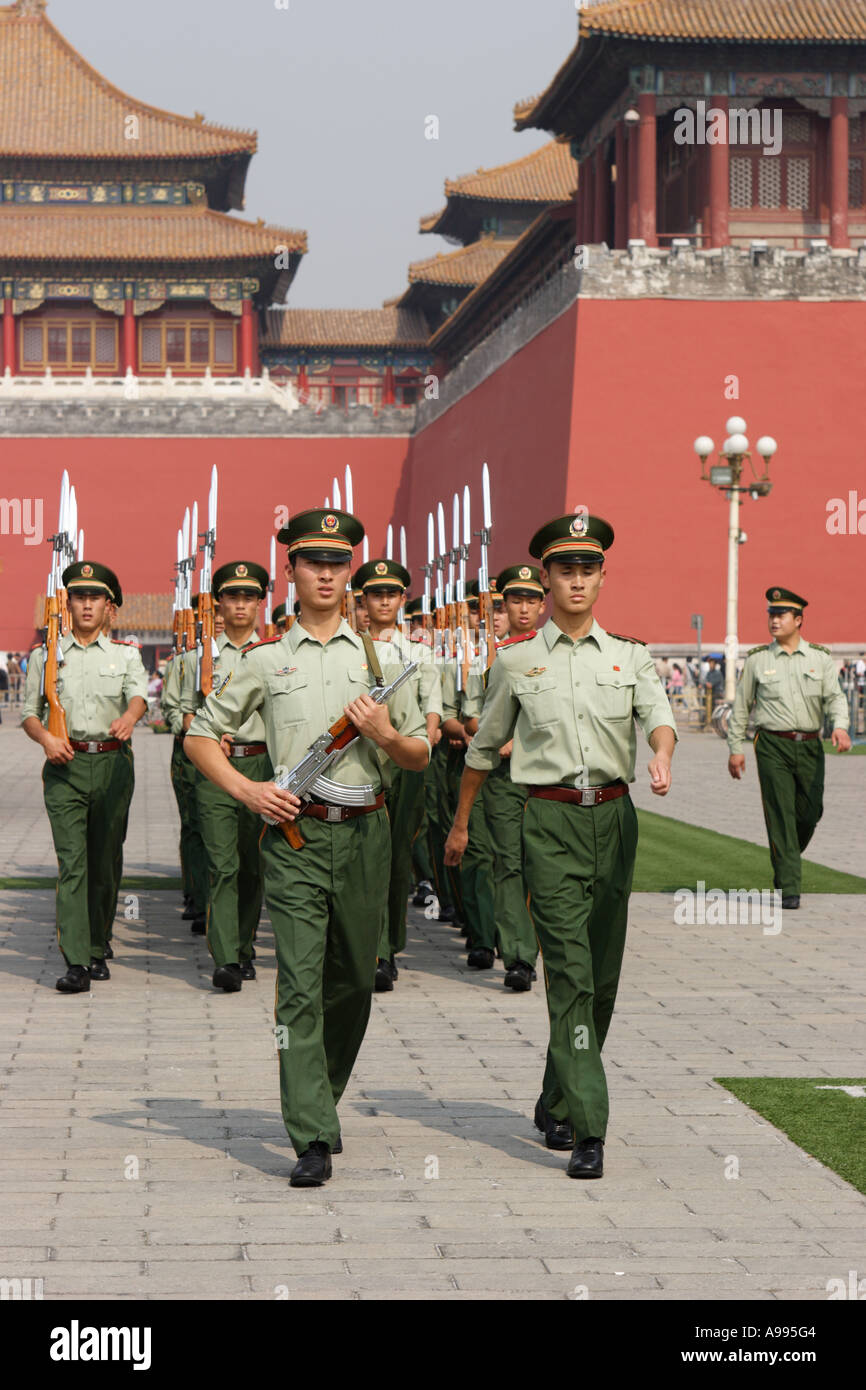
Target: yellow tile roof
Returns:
[[468, 265], [771, 21], [53, 104], [28, 233], [547, 175], [386, 327]]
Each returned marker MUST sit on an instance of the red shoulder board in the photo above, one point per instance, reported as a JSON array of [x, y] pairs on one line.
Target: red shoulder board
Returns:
[[511, 641], [620, 638], [36, 646], [265, 642], [121, 642]]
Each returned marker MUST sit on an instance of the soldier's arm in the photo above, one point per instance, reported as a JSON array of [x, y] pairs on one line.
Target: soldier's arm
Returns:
[[57, 750], [836, 707], [739, 720], [135, 694], [652, 707], [495, 729], [397, 728]]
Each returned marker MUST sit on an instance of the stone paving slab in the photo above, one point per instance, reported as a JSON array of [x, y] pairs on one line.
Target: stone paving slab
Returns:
[[143, 1154]]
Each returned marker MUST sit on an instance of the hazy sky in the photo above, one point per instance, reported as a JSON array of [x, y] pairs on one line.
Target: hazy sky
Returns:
[[338, 91]]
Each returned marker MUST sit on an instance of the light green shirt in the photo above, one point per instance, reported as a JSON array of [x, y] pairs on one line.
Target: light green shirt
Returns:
[[790, 691], [94, 683], [426, 682], [170, 698], [570, 708], [299, 686], [191, 700]]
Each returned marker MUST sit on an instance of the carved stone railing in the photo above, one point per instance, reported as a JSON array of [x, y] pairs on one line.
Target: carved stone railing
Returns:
[[92, 387]]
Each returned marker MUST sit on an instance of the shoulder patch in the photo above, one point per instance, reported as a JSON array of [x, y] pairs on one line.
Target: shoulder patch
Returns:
[[265, 642], [511, 641], [638, 641], [36, 646], [122, 642], [764, 647], [819, 648]]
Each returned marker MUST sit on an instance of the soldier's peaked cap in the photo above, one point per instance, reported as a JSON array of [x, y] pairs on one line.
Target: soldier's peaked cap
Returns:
[[87, 574], [777, 597], [322, 535], [384, 574], [520, 579], [414, 607], [279, 613], [575, 539], [240, 574]]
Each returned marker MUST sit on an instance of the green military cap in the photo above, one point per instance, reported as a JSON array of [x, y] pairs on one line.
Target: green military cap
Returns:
[[780, 599], [322, 535], [472, 588], [296, 607], [520, 579], [240, 574], [414, 608], [87, 575], [472, 592], [576, 539], [381, 574], [279, 613]]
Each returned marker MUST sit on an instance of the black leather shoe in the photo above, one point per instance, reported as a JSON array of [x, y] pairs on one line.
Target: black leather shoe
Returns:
[[393, 966], [424, 890], [518, 977], [108, 953], [252, 953], [793, 900], [384, 979], [199, 925], [228, 977], [313, 1167], [558, 1134], [75, 981], [189, 912], [338, 1147], [99, 970], [480, 958], [587, 1159], [248, 970], [447, 912]]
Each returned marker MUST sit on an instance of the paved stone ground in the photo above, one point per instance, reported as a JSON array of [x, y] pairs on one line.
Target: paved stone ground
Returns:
[[144, 1155]]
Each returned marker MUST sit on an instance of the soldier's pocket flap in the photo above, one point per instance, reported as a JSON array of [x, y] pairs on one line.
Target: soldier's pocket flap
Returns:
[[614, 678], [363, 677], [532, 685], [816, 676], [287, 684]]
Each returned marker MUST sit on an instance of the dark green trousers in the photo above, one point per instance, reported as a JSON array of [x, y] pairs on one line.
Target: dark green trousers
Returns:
[[196, 857], [792, 794], [177, 786], [405, 804], [579, 862], [325, 904], [422, 865], [230, 834], [503, 809], [437, 780], [87, 801], [476, 876]]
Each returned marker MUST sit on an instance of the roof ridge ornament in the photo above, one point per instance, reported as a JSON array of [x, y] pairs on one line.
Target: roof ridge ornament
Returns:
[[31, 6]]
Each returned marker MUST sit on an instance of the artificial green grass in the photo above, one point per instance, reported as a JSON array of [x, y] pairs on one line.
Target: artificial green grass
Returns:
[[672, 854], [855, 748], [128, 885], [829, 1125]]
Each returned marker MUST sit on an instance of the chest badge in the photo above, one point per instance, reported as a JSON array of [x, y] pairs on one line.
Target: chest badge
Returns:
[[536, 671], [770, 673], [286, 671], [218, 689], [616, 668]]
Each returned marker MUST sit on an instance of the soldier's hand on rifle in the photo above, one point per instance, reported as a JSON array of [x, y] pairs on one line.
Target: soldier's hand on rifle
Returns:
[[370, 719], [267, 799], [736, 765], [122, 727], [57, 750]]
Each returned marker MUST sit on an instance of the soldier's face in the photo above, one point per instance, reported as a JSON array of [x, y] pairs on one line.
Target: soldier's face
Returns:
[[383, 605], [238, 608], [474, 611], [319, 584], [574, 588], [783, 625], [523, 612], [500, 620], [88, 610]]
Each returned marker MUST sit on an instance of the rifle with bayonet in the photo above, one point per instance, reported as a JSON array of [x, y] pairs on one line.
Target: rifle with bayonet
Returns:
[[349, 611], [270, 626], [306, 779], [486, 630], [55, 604], [207, 648], [463, 642]]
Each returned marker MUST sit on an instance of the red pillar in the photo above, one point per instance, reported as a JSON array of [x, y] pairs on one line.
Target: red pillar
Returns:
[[129, 359], [303, 383], [600, 199], [9, 337], [646, 168], [620, 206], [246, 362], [839, 171], [720, 182], [632, 181], [388, 394]]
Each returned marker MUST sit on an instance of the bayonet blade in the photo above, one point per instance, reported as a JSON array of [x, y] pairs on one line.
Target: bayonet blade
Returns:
[[350, 501], [366, 550], [440, 520], [467, 524], [403, 547], [389, 543], [431, 545], [337, 503], [485, 493]]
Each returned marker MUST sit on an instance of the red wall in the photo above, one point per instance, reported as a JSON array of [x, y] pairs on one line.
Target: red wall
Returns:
[[132, 492]]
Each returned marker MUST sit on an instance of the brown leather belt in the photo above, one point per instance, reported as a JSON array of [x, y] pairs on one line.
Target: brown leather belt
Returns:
[[791, 733], [246, 750], [335, 814], [107, 746], [581, 796]]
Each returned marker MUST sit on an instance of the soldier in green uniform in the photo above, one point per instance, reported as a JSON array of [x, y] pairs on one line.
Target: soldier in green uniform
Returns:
[[88, 778], [383, 584], [523, 596], [794, 686], [567, 698], [229, 831], [326, 898], [422, 863], [278, 617], [193, 864]]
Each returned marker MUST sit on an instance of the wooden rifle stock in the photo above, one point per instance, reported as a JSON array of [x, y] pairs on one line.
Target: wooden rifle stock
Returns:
[[205, 608], [342, 733], [462, 621], [56, 713], [486, 609]]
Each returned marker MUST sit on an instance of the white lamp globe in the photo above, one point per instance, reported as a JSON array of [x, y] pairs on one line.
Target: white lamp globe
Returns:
[[736, 425], [703, 446], [735, 444], [766, 446]]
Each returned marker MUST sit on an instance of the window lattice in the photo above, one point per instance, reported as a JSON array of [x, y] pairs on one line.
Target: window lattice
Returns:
[[855, 183], [855, 130], [798, 183], [151, 345], [104, 337], [223, 347], [796, 128], [769, 182], [741, 182], [31, 343]]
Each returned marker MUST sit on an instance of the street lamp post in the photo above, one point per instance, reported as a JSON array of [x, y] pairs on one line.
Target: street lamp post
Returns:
[[727, 476]]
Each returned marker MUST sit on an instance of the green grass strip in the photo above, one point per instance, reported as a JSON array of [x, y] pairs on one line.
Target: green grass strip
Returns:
[[855, 748], [672, 854], [829, 1125]]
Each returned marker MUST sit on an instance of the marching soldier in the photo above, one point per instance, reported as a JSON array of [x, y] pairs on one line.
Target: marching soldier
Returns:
[[382, 585], [193, 865], [523, 596], [567, 698], [794, 686], [88, 778], [326, 897], [422, 863], [229, 831]]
